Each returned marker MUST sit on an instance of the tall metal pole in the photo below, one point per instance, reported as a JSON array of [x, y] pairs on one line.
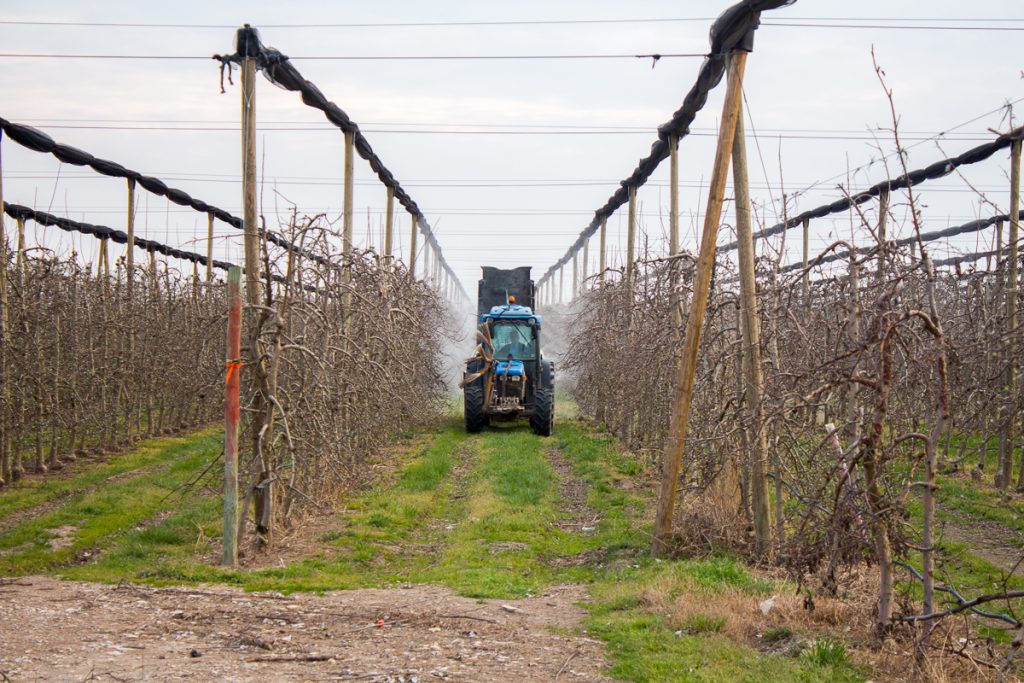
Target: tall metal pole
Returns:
[[687, 367], [232, 414]]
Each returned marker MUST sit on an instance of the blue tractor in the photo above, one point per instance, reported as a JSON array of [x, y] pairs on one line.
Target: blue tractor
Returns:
[[508, 377]]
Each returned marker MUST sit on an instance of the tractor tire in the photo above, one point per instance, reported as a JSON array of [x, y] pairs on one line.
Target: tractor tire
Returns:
[[473, 396], [542, 422]]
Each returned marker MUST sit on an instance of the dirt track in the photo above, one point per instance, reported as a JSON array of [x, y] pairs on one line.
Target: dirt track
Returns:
[[68, 631]]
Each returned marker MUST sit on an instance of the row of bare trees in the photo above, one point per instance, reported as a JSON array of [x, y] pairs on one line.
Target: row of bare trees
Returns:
[[88, 367], [339, 357], [879, 371], [342, 353]]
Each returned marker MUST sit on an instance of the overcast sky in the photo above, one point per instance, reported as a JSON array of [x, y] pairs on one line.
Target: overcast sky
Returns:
[[507, 158]]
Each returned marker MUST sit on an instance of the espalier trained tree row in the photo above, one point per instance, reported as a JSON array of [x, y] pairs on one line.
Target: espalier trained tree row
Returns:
[[341, 364], [878, 370]]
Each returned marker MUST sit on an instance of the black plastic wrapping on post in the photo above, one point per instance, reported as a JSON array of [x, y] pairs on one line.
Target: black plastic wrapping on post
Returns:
[[733, 30], [279, 70], [909, 179], [38, 141]]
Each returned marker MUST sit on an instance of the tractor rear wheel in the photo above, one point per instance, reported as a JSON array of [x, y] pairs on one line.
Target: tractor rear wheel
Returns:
[[473, 395], [543, 419]]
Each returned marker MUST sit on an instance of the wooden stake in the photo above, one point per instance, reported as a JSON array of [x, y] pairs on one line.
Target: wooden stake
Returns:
[[673, 234], [631, 237], [602, 259], [687, 367], [751, 334], [389, 222], [232, 414], [5, 384], [807, 251], [412, 245], [575, 276], [250, 230], [883, 219], [1012, 299], [585, 265], [350, 141], [209, 247], [129, 247]]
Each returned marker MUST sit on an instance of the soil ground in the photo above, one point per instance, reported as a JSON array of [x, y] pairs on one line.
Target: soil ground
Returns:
[[75, 631]]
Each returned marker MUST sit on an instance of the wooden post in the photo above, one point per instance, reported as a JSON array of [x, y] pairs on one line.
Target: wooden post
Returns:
[[350, 142], [129, 247], [602, 259], [673, 234], [232, 413], [103, 267], [129, 284], [389, 223], [687, 367], [883, 220], [209, 247], [575, 276], [6, 469], [631, 237], [807, 251], [1012, 294], [586, 263], [437, 266], [250, 230], [751, 335], [412, 245]]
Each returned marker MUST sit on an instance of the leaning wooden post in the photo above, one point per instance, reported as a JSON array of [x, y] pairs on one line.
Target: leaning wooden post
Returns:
[[232, 413], [412, 245], [687, 366], [601, 260], [389, 223], [751, 334], [209, 247]]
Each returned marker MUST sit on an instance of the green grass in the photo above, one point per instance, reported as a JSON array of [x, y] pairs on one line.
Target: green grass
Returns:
[[97, 514], [482, 514]]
